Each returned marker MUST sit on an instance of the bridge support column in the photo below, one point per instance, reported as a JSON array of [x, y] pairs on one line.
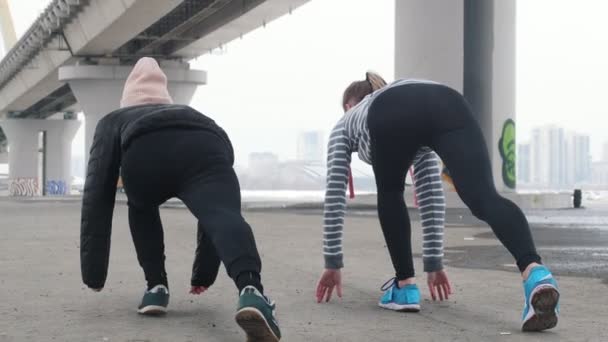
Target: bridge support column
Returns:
[[59, 157], [470, 46], [39, 155], [98, 89]]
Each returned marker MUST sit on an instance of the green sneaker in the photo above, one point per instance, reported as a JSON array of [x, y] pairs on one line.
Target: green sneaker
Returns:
[[155, 301], [255, 315]]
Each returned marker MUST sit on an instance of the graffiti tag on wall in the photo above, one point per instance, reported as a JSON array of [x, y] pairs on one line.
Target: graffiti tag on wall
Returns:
[[56, 187], [23, 187], [506, 147]]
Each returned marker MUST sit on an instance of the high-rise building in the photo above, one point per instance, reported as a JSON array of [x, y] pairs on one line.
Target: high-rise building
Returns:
[[559, 159], [548, 157], [310, 146], [600, 173], [523, 164], [605, 152], [578, 159], [537, 159]]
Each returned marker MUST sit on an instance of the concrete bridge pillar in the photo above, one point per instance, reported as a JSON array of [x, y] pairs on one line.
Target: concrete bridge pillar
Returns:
[[98, 89], [39, 156], [470, 46], [59, 157], [23, 170]]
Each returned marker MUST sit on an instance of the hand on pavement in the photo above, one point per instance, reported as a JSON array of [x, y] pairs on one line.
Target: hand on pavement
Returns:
[[329, 280], [197, 290], [439, 285]]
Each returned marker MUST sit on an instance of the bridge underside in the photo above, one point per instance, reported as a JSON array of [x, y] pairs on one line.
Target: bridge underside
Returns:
[[187, 23], [169, 38]]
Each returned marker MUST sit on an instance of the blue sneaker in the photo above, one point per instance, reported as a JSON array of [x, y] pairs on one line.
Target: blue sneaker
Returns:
[[405, 299], [542, 300]]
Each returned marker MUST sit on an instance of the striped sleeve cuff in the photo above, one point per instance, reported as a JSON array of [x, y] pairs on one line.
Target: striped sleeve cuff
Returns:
[[334, 261], [433, 264]]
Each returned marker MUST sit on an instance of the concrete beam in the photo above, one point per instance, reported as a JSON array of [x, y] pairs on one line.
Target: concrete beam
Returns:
[[242, 24], [107, 24]]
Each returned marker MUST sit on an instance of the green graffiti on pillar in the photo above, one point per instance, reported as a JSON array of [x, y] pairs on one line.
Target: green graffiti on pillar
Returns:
[[506, 146]]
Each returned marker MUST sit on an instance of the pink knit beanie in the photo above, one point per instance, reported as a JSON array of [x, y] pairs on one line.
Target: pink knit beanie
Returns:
[[147, 84]]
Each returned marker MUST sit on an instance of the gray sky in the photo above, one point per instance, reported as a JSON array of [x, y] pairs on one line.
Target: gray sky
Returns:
[[289, 76], [562, 67]]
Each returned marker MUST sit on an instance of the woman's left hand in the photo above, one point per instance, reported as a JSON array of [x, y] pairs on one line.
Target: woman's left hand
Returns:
[[197, 290], [439, 285]]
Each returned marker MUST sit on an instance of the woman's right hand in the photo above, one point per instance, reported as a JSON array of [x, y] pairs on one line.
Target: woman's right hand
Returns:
[[329, 279]]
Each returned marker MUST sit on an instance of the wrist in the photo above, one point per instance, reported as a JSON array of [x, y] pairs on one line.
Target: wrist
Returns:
[[334, 262], [201, 282], [433, 265]]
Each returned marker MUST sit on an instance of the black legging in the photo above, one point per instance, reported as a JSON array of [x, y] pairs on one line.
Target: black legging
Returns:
[[404, 118], [195, 166]]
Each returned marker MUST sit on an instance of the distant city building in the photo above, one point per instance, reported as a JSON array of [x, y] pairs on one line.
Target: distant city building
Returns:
[[310, 146], [605, 152], [557, 159], [600, 173], [523, 164], [547, 153], [578, 159]]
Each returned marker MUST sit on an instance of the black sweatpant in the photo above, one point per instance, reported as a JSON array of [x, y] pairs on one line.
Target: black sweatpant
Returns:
[[405, 118], [195, 166]]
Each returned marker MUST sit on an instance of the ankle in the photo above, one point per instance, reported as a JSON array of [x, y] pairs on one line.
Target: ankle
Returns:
[[407, 281], [152, 285], [528, 269], [247, 278]]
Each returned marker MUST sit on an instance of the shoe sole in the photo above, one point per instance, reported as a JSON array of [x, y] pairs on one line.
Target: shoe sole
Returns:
[[152, 310], [544, 302], [255, 325], [400, 308]]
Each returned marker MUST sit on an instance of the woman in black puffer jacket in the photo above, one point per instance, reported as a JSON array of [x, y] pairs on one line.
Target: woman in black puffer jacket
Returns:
[[162, 151]]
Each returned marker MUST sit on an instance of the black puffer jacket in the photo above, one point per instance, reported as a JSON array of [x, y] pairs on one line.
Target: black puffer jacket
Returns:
[[113, 135]]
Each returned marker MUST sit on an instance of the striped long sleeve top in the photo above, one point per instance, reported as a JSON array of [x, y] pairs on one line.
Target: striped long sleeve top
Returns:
[[351, 134]]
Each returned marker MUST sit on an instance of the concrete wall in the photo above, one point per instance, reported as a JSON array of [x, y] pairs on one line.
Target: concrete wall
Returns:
[[428, 40], [503, 94], [468, 45]]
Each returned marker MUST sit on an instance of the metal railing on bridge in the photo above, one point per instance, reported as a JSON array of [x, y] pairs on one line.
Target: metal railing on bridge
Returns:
[[48, 25]]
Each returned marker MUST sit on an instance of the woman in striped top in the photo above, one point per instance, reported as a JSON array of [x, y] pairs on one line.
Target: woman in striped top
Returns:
[[393, 126], [351, 135]]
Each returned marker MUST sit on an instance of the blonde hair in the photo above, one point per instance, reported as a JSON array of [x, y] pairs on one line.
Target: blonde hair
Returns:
[[357, 90]]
